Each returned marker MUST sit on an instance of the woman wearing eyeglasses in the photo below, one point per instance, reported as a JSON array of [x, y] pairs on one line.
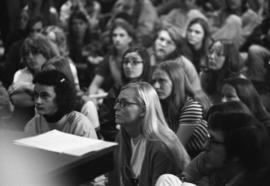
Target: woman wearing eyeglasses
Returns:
[[147, 146], [223, 62], [135, 66]]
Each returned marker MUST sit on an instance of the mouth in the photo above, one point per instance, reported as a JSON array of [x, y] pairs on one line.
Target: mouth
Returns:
[[159, 93], [39, 108]]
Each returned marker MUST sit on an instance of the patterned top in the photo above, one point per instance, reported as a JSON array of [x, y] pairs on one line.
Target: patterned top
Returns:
[[73, 123]]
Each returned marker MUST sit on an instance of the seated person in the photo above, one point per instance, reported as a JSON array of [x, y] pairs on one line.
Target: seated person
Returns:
[[54, 97], [36, 50], [135, 67], [237, 152], [148, 148], [183, 107], [223, 62]]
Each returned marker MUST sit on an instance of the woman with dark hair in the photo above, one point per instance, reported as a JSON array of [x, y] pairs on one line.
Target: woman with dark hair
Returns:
[[87, 108], [223, 62], [135, 67], [237, 152], [122, 36], [147, 146], [243, 90], [54, 97], [79, 37], [181, 104], [199, 38], [170, 45]]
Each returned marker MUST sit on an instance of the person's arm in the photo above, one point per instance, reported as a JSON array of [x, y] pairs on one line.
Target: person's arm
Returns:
[[189, 119], [96, 84], [90, 111]]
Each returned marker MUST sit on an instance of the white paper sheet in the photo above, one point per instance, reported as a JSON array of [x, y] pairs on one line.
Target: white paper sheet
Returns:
[[61, 142]]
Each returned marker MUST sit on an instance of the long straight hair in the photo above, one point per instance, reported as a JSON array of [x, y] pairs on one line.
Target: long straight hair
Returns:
[[153, 128], [181, 89]]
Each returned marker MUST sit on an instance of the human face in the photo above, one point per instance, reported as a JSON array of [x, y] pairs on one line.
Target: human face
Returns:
[[37, 27], [215, 150], [121, 39], [234, 4], [195, 35], [164, 45], [79, 27], [45, 97], [24, 18], [133, 65], [162, 83], [216, 56], [229, 93], [35, 61], [128, 111]]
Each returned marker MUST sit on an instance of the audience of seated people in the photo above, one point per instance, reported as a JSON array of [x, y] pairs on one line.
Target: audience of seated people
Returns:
[[35, 52], [193, 54], [170, 45], [122, 36], [135, 67]]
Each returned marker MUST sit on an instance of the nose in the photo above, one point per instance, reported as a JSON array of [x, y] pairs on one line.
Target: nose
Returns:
[[192, 33], [224, 99], [211, 55], [156, 85], [116, 106], [38, 100], [163, 42], [128, 64]]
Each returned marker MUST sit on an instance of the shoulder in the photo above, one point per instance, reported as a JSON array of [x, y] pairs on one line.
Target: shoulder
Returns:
[[80, 125], [157, 147], [76, 117], [190, 102], [33, 126]]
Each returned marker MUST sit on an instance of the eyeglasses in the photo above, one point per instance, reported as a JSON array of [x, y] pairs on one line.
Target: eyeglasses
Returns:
[[131, 62], [123, 103], [217, 54]]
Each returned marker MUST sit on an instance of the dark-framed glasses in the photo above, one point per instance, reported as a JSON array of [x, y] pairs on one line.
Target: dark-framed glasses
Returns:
[[123, 103]]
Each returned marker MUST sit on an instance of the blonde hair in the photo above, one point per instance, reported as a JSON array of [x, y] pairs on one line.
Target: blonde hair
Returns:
[[154, 126]]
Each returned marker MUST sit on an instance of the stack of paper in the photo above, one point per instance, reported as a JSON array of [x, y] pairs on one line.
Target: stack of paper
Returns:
[[61, 142]]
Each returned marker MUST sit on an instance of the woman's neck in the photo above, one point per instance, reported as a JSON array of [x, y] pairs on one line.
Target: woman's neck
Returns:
[[197, 47], [134, 129]]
